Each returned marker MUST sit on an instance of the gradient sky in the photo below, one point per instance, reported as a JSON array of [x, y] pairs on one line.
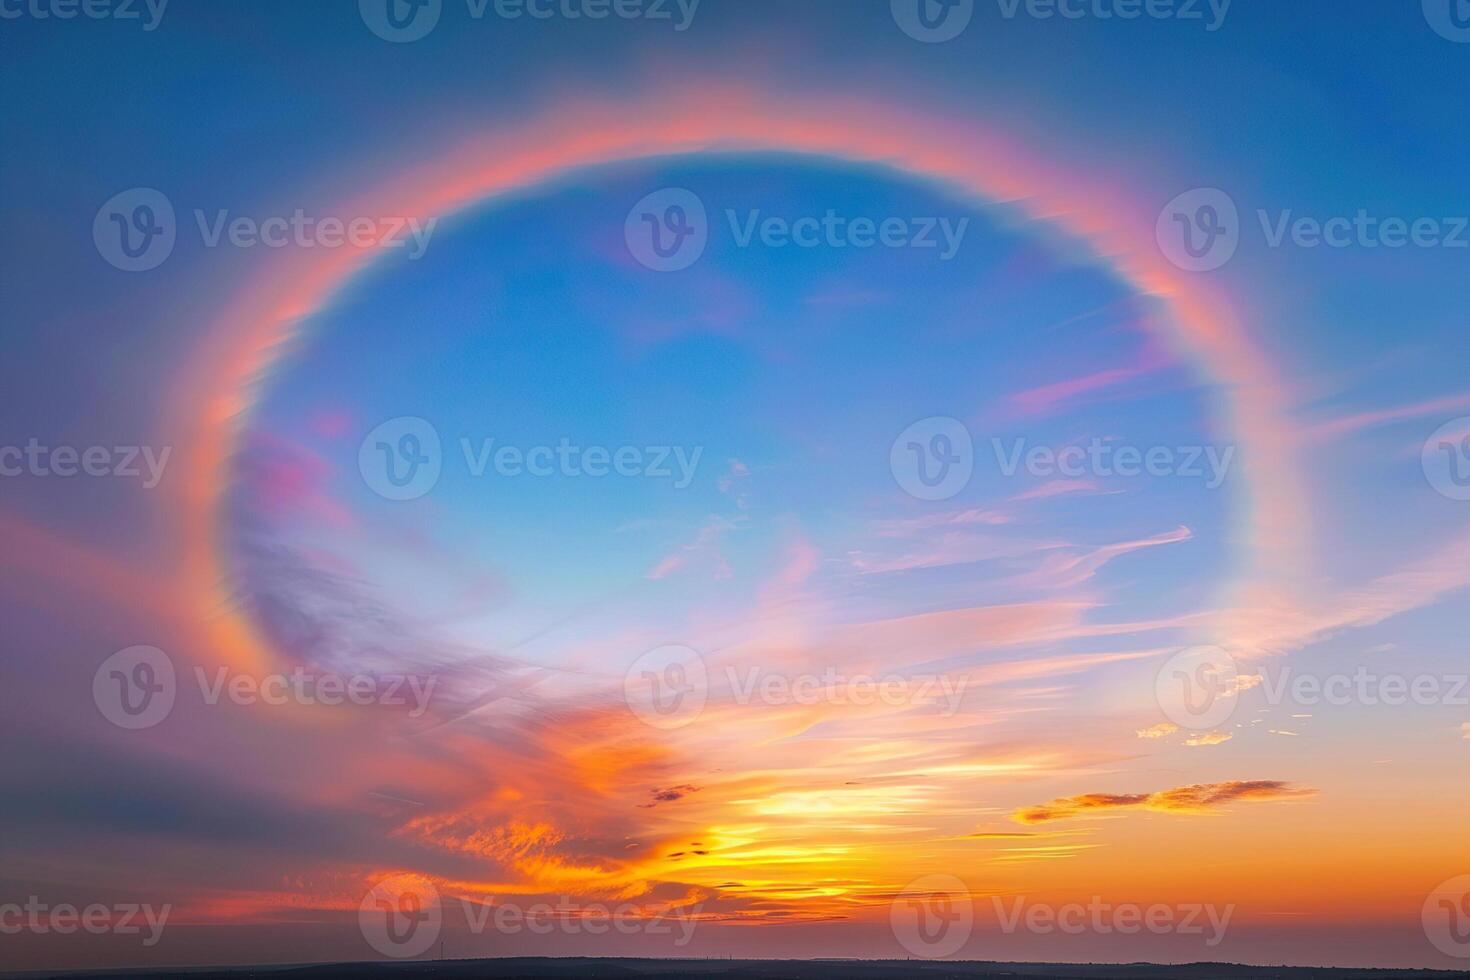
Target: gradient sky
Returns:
[[1055, 602]]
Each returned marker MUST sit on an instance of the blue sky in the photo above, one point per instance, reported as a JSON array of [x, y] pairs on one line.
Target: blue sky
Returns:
[[798, 541]]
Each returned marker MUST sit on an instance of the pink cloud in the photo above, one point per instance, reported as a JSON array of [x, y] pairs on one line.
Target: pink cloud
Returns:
[[1061, 488], [1049, 398], [1061, 571], [1350, 424]]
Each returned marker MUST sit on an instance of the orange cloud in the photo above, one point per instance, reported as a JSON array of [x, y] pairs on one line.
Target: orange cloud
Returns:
[[1199, 798]]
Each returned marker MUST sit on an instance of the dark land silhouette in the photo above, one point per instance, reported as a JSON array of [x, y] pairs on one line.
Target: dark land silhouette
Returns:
[[825, 969]]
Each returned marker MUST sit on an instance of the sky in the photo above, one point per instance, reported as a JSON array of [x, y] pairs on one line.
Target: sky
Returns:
[[975, 480]]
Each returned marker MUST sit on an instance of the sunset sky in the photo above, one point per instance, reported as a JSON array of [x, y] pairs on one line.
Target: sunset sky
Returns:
[[878, 681]]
